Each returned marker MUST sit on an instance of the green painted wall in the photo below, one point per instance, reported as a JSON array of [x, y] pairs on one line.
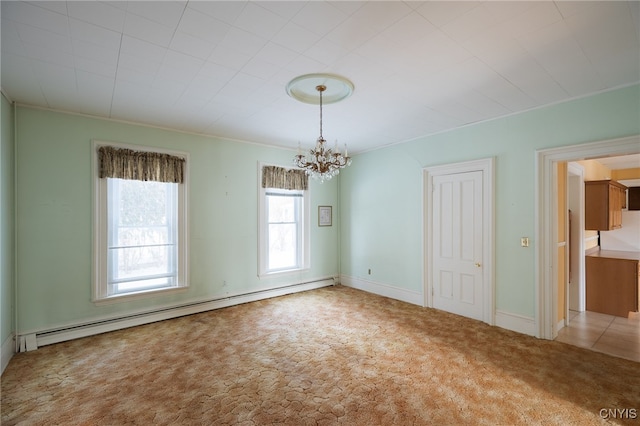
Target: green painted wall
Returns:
[[382, 196], [379, 210], [55, 218], [7, 221]]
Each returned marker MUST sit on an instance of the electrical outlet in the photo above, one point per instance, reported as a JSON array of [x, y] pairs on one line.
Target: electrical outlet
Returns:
[[224, 283], [524, 241]]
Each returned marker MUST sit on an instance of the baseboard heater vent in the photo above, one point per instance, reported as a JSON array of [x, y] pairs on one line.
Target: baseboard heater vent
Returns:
[[28, 342]]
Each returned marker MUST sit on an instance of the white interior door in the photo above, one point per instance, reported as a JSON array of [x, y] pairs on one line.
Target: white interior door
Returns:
[[458, 279]]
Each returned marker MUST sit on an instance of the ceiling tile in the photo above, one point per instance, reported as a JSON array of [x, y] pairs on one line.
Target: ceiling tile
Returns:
[[326, 52], [102, 14], [537, 17], [440, 13], [319, 17], [470, 23], [54, 6], [380, 15], [46, 55], [286, 9], [276, 54], [190, 45], [95, 86], [105, 55], [96, 67], [142, 49], [409, 29], [260, 68], [202, 26], [299, 66], [179, 67], [605, 27], [350, 34], [18, 78], [45, 38], [295, 37], [527, 75], [229, 57], [90, 34], [618, 67], [61, 76], [147, 30], [132, 77], [241, 85], [225, 11], [166, 13], [438, 51], [130, 61], [243, 41], [259, 21], [31, 14]]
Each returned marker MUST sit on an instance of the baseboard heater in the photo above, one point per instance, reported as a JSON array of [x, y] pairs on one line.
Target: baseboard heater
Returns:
[[28, 342]]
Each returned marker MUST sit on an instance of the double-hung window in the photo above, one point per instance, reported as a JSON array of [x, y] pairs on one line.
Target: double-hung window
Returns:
[[139, 222], [284, 221]]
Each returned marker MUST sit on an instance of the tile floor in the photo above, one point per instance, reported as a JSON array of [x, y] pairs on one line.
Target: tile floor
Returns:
[[616, 336]]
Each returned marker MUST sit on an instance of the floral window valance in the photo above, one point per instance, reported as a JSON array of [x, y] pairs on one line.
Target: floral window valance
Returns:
[[125, 163], [281, 178]]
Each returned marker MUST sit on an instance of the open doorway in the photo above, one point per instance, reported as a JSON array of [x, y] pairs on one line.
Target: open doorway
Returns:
[[547, 226], [596, 331]]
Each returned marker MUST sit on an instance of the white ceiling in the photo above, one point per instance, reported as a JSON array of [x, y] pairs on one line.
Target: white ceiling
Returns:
[[221, 68], [621, 162]]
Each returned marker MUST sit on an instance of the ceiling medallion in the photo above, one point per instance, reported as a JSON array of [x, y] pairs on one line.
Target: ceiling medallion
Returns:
[[321, 163]]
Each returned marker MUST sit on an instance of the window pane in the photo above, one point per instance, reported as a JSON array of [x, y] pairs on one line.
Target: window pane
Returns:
[[283, 249], [142, 235], [141, 261], [281, 208], [143, 203]]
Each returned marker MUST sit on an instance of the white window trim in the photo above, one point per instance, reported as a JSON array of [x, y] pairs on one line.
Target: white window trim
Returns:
[[99, 293], [263, 237]]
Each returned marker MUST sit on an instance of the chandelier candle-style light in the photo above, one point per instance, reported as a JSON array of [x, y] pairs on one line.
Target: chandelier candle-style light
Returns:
[[321, 162]]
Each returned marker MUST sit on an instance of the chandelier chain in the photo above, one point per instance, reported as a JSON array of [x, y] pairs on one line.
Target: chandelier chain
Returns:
[[321, 89]]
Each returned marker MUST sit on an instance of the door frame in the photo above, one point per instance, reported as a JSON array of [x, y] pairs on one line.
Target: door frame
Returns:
[[574, 169], [547, 220], [487, 166]]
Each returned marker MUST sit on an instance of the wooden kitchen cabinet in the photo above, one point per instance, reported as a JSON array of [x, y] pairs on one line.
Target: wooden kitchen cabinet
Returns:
[[604, 201], [613, 282]]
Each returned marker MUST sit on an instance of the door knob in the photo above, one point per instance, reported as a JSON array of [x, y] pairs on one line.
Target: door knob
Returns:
[[478, 264]]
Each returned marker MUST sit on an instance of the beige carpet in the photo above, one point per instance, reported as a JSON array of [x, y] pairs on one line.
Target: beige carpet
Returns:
[[323, 357]]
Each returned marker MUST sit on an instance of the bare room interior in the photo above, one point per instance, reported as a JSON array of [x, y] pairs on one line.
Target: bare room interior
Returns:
[[319, 212]]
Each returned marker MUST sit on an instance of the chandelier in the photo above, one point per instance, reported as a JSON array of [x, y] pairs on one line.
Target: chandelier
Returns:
[[321, 162]]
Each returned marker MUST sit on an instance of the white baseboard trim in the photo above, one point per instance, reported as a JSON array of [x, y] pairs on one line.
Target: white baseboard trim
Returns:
[[48, 337], [515, 322], [560, 325], [385, 290], [6, 352]]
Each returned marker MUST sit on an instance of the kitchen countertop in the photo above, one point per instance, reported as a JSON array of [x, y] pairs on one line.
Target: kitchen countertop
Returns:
[[615, 254]]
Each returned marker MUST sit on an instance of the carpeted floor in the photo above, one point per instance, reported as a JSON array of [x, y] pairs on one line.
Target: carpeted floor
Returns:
[[323, 357]]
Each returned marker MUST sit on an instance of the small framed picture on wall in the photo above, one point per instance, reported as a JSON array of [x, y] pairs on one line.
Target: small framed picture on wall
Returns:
[[324, 216]]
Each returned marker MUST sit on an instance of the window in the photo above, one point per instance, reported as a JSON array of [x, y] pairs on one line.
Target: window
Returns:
[[139, 226], [284, 225]]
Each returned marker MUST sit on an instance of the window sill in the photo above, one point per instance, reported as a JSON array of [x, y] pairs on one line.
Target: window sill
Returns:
[[282, 273], [138, 295]]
